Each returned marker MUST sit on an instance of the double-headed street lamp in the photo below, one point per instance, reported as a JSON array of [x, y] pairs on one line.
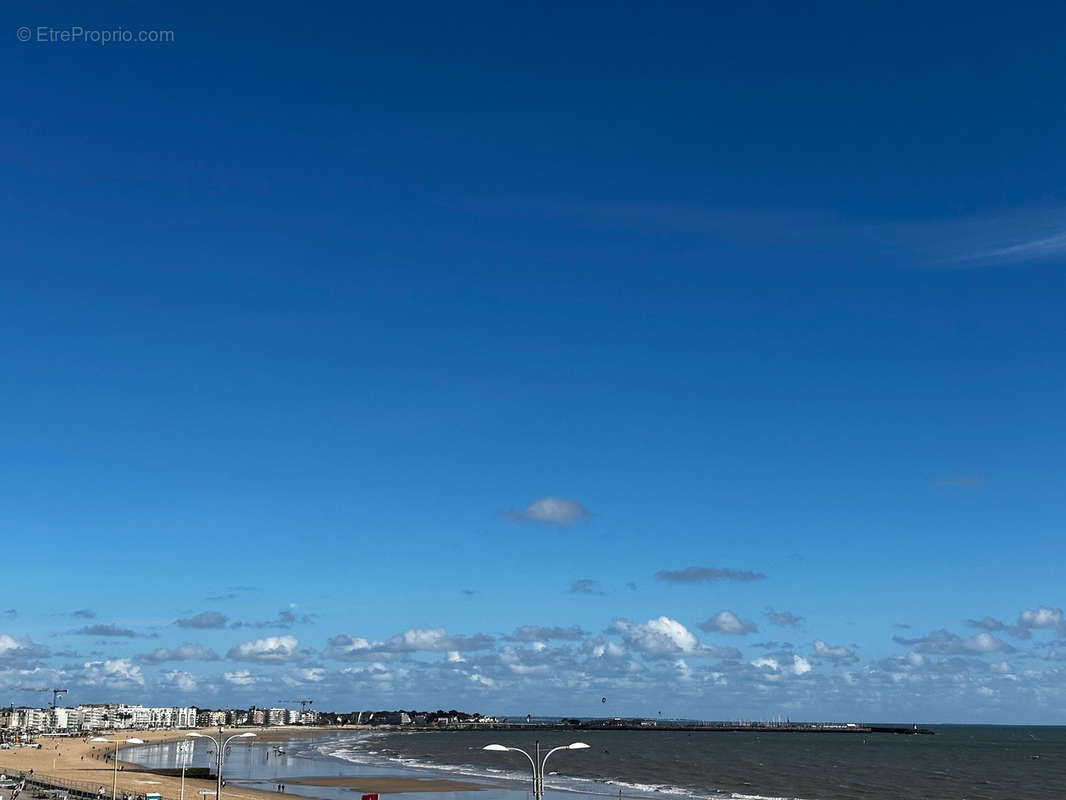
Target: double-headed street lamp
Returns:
[[537, 763], [220, 752], [114, 757]]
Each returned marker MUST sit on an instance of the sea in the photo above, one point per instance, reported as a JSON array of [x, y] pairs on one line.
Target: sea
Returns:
[[959, 762]]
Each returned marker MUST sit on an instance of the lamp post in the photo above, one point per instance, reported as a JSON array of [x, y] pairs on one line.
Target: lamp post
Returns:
[[114, 757], [220, 754], [537, 763], [184, 750]]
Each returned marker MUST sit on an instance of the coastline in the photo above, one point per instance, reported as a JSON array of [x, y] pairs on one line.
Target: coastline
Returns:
[[77, 759]]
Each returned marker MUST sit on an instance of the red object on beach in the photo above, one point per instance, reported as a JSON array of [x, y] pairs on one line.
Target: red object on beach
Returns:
[[370, 797]]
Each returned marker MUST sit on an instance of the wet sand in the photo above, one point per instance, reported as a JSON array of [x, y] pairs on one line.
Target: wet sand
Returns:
[[386, 785], [78, 759]]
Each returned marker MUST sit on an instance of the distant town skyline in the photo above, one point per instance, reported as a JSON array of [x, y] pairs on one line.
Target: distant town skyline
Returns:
[[563, 361]]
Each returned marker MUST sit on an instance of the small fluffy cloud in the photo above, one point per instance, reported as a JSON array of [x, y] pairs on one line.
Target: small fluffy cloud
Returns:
[[431, 640], [728, 622], [350, 648], [180, 680], [272, 649], [551, 511], [945, 643], [204, 620], [20, 651], [782, 619], [585, 586], [537, 633], [303, 676], [240, 677], [118, 673], [799, 666], [1050, 619], [84, 613], [186, 652], [839, 654], [707, 575], [663, 637], [435, 640]]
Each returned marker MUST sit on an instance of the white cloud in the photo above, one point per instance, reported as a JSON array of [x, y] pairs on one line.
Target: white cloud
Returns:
[[186, 652], [240, 677], [661, 637], [728, 622], [308, 675], [607, 649], [783, 619], [118, 673], [539, 633], [412, 640], [19, 651], [272, 649], [799, 665], [946, 643], [1046, 618], [551, 511], [180, 680], [841, 654]]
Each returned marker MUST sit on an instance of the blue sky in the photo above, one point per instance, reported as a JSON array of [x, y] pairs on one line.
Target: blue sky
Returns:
[[511, 357]]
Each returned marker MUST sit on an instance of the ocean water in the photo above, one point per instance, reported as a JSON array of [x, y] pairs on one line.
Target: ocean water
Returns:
[[958, 763]]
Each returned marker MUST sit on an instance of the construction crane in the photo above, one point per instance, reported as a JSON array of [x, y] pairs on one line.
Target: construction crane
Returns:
[[303, 704], [56, 693]]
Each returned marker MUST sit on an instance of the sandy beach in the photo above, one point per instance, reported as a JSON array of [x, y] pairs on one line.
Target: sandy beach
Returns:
[[78, 759]]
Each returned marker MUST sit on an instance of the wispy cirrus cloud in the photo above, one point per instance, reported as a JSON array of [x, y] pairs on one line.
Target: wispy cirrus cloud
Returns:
[[707, 575], [1025, 250]]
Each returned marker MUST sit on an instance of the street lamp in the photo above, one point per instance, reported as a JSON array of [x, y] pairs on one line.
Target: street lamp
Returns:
[[538, 763], [114, 757], [184, 750], [220, 747]]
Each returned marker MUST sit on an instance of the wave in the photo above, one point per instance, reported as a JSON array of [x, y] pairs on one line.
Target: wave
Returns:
[[365, 750]]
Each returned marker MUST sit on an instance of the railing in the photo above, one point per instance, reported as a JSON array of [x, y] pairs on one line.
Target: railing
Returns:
[[74, 789]]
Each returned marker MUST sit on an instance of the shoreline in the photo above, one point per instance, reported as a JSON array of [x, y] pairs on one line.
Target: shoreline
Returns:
[[81, 761]]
